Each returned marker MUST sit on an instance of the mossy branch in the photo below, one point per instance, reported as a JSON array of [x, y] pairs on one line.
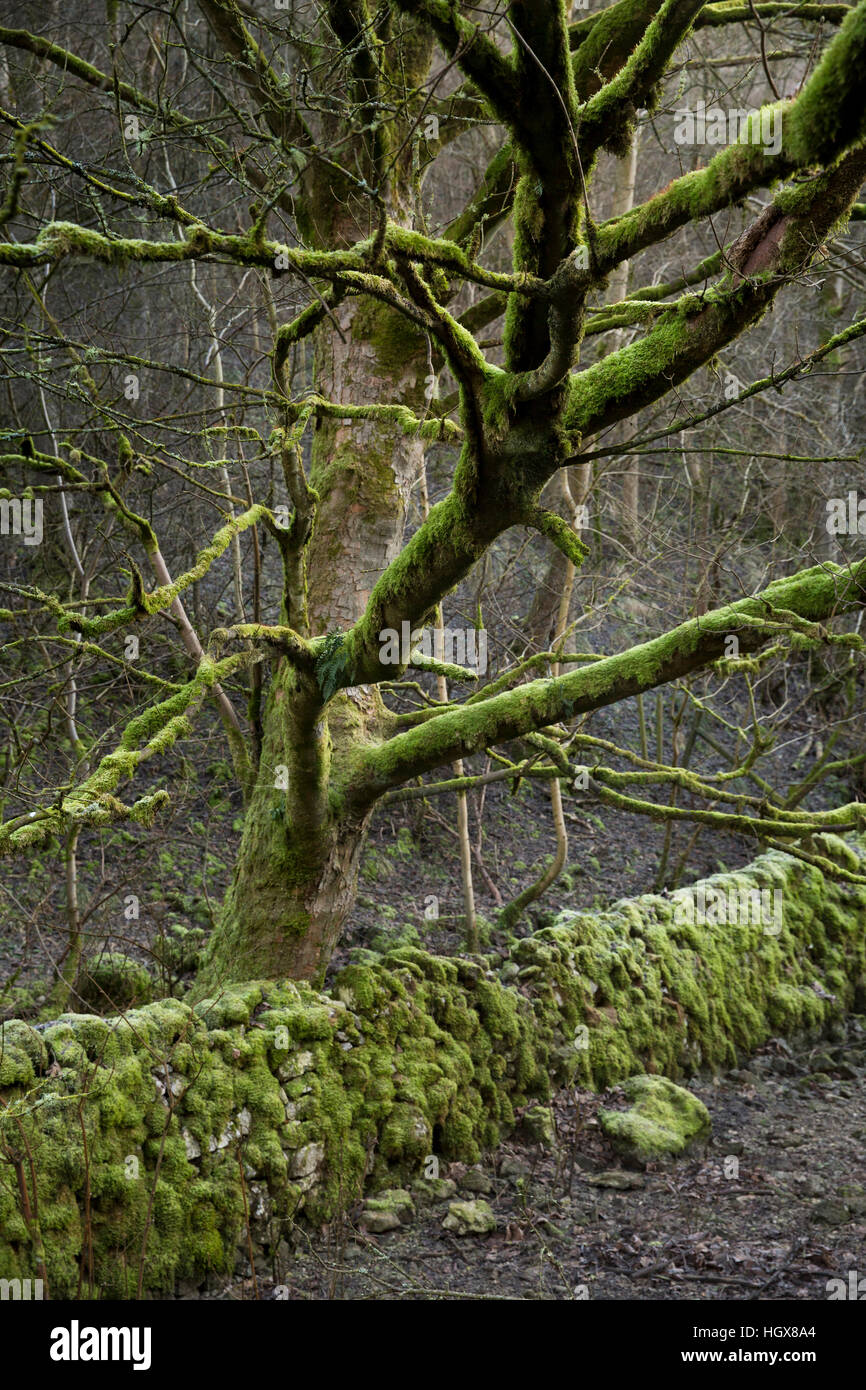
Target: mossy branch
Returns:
[[605, 118], [557, 530], [762, 828], [436, 429], [775, 381], [157, 600], [251, 64], [692, 333], [419, 662], [710, 17], [69, 62], [815, 595], [476, 53], [828, 117], [147, 736]]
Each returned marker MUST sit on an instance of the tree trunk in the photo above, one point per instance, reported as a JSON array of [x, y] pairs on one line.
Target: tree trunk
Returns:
[[295, 878], [363, 470], [623, 202]]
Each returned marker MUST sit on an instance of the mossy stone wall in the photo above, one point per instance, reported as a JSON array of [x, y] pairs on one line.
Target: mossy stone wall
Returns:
[[157, 1146]]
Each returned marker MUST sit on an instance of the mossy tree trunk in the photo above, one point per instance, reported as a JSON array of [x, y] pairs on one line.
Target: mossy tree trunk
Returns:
[[295, 877], [382, 300]]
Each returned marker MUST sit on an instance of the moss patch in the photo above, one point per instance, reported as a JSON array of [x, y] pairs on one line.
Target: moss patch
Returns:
[[663, 1122], [114, 981]]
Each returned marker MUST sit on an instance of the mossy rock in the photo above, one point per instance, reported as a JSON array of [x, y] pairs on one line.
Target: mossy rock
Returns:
[[470, 1219], [388, 1210], [664, 1121], [430, 1190], [114, 981], [538, 1125]]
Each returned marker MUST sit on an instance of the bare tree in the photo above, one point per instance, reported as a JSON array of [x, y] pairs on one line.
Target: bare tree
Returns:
[[293, 144]]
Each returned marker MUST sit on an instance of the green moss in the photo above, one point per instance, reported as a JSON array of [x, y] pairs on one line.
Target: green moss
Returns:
[[395, 340], [663, 1121], [114, 981], [829, 112]]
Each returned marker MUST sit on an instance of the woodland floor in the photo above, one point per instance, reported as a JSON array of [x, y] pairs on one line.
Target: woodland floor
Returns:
[[792, 1120]]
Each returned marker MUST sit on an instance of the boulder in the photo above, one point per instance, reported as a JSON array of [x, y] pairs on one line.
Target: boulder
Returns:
[[663, 1122], [470, 1218], [387, 1210]]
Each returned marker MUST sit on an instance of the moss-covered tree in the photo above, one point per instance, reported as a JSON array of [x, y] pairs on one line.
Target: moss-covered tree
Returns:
[[326, 116]]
